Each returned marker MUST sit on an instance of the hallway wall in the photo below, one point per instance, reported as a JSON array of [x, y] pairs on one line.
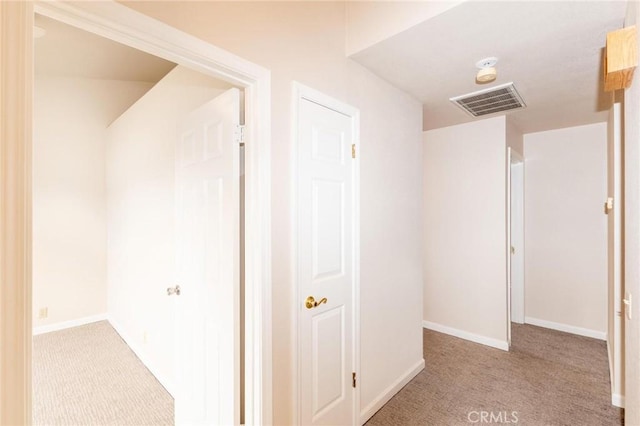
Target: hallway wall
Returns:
[[566, 229], [465, 285]]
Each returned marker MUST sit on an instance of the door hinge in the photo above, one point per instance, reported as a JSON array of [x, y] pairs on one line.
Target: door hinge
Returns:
[[608, 205], [628, 306], [353, 155], [353, 378], [240, 134]]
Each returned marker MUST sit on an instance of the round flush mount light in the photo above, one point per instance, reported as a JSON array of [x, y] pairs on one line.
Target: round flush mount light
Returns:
[[487, 71]]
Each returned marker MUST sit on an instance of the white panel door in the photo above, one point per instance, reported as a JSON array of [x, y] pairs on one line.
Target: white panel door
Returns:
[[517, 242], [207, 256], [325, 265]]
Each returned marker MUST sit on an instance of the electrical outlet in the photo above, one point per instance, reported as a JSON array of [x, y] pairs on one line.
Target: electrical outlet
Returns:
[[43, 313], [145, 337]]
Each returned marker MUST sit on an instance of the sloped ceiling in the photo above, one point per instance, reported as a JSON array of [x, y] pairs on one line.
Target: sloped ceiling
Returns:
[[66, 51], [552, 51]]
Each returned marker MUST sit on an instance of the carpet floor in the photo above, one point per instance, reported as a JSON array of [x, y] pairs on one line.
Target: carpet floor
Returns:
[[548, 378], [88, 376]]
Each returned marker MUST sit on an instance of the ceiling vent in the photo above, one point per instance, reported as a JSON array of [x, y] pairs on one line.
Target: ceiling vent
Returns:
[[490, 101]]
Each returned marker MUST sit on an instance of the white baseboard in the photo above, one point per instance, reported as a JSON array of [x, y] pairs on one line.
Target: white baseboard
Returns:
[[617, 400], [68, 324], [601, 335], [477, 338], [389, 392], [164, 381]]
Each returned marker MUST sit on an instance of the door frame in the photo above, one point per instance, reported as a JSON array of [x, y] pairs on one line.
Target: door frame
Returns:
[[517, 160], [124, 25], [616, 270], [512, 157], [301, 92]]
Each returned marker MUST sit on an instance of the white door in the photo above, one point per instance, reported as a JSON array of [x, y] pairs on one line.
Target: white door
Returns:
[[326, 241], [207, 253], [517, 240]]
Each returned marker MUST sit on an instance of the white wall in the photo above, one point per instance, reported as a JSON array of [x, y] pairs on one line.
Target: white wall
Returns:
[[71, 116], [566, 229], [465, 288], [370, 22], [515, 138], [140, 215], [305, 41]]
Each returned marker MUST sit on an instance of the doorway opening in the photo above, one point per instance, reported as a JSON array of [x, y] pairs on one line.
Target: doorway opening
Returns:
[[121, 24], [111, 218]]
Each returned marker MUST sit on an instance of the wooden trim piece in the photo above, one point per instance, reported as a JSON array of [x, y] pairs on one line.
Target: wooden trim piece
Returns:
[[621, 58], [16, 85]]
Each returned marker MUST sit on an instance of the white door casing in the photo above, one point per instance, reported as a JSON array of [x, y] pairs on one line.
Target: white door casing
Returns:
[[615, 255], [515, 219], [207, 264], [508, 248], [326, 241], [517, 239]]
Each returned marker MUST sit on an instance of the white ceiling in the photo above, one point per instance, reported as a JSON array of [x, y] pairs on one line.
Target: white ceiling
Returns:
[[70, 52], [550, 50]]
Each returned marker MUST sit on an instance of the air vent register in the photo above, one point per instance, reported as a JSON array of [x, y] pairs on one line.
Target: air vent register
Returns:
[[490, 101]]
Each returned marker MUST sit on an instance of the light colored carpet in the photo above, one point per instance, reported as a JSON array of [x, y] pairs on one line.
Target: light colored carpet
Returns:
[[88, 376], [548, 378]]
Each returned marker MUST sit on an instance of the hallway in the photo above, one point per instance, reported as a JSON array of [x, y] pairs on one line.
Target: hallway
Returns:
[[548, 378]]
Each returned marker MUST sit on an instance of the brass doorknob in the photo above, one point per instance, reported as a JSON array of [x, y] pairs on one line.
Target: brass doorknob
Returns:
[[311, 303]]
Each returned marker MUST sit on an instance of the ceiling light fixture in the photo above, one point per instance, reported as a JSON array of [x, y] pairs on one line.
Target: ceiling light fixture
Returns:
[[487, 71]]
